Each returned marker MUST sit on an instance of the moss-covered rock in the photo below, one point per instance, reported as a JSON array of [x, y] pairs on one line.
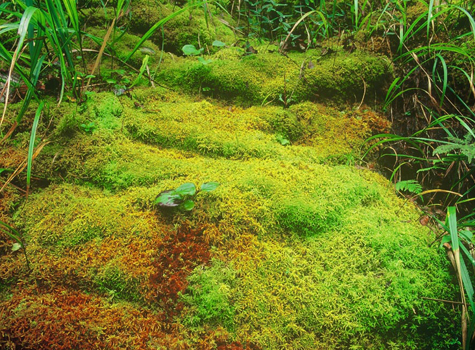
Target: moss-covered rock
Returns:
[[192, 27], [306, 255], [269, 78], [296, 249]]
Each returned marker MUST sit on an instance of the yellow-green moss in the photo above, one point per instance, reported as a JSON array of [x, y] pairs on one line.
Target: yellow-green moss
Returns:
[[267, 77], [232, 132], [341, 260], [307, 255], [80, 216]]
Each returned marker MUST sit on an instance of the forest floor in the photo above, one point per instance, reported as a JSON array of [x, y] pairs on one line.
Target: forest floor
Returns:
[[299, 247]]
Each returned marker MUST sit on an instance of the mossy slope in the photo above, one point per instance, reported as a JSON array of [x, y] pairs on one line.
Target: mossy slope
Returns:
[[294, 250]]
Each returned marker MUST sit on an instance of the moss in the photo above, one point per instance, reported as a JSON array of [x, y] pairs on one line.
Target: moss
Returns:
[[305, 253], [271, 78], [337, 264], [297, 293], [75, 320], [208, 297], [214, 130], [122, 48], [115, 284], [79, 216], [188, 28]]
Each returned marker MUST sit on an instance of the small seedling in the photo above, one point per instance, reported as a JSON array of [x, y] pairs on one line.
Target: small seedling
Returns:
[[180, 197], [282, 140], [15, 236], [88, 128], [191, 50]]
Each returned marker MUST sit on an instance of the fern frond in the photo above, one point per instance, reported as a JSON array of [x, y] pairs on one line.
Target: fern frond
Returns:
[[409, 185]]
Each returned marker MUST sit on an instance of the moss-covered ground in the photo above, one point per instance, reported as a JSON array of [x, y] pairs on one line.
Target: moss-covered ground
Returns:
[[298, 248]]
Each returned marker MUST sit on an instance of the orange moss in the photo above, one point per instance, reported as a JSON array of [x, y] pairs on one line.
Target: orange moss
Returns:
[[179, 254], [375, 122], [64, 319]]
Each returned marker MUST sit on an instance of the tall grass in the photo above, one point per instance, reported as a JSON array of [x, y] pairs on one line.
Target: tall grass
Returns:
[[45, 39], [448, 157], [459, 247]]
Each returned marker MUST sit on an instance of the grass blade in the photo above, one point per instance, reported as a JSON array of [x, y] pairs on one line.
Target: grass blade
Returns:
[[452, 224], [444, 85], [11, 232], [429, 16], [32, 145]]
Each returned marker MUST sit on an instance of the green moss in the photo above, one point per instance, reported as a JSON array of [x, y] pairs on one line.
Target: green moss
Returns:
[[327, 293], [267, 77], [115, 284], [190, 27], [208, 297], [341, 261], [214, 130], [307, 255]]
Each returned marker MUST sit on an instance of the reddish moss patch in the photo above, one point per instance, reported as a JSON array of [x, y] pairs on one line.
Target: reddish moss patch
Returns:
[[65, 319], [179, 254]]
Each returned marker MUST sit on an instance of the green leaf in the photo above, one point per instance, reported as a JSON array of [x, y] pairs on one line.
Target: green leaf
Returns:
[[142, 70], [282, 140], [467, 235], [188, 204], [186, 189], [168, 199], [452, 223], [445, 239], [204, 61], [32, 144], [209, 186], [190, 50], [218, 43], [16, 246]]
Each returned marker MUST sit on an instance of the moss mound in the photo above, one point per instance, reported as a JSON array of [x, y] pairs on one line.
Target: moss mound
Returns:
[[296, 249], [268, 77], [291, 251], [189, 28]]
